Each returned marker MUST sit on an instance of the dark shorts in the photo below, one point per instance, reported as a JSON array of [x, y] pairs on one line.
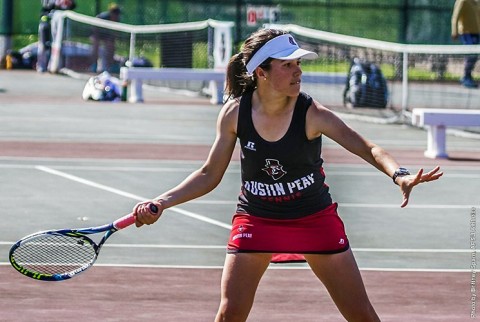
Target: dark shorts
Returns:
[[470, 39], [320, 233]]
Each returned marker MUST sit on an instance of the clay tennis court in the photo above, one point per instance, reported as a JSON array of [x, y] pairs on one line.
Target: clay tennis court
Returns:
[[66, 163]]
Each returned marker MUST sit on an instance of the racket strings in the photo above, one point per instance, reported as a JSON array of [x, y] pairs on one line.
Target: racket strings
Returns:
[[55, 254]]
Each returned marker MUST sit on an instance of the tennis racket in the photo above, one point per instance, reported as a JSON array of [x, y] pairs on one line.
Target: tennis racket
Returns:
[[57, 255]]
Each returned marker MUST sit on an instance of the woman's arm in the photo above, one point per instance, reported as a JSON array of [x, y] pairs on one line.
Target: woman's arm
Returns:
[[206, 178], [320, 121]]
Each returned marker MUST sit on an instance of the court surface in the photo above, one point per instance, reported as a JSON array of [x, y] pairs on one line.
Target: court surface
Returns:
[[68, 163]]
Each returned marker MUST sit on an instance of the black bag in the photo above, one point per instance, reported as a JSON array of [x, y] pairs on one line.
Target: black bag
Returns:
[[366, 86]]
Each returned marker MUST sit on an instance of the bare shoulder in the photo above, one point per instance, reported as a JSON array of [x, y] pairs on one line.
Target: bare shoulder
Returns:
[[317, 109], [231, 106], [321, 120], [228, 116]]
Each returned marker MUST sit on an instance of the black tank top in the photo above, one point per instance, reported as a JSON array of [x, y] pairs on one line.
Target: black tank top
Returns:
[[282, 179]]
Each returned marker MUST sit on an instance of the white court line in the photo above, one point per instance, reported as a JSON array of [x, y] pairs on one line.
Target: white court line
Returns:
[[303, 267], [349, 205], [229, 170], [362, 205], [97, 160], [131, 137], [286, 267], [129, 195], [413, 250], [327, 165], [372, 250], [368, 250], [221, 224], [274, 266]]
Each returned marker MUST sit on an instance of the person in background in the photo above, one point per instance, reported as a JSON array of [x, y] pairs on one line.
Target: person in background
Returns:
[[107, 38], [466, 25], [65, 4], [47, 7], [44, 43], [284, 205], [46, 30]]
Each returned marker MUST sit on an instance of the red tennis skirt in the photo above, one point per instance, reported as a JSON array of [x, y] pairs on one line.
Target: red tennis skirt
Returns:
[[320, 233]]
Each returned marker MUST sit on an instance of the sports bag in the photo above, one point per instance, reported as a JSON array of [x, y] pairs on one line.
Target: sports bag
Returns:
[[365, 86]]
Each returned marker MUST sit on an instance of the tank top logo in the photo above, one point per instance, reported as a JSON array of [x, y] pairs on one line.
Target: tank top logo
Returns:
[[274, 169], [250, 146]]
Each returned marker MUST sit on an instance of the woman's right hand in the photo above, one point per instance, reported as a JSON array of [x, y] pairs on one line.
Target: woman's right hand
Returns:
[[144, 212]]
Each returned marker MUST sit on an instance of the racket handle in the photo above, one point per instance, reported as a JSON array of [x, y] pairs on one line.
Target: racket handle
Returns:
[[129, 219], [124, 222]]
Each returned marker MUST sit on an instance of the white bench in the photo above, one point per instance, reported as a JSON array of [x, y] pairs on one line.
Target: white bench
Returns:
[[136, 75], [437, 121]]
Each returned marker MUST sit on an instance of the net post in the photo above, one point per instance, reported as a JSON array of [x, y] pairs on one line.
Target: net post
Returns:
[[222, 51], [7, 27], [57, 22], [131, 53], [136, 95], [404, 86], [436, 142]]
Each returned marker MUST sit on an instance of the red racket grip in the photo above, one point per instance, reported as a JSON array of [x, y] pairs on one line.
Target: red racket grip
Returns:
[[129, 219]]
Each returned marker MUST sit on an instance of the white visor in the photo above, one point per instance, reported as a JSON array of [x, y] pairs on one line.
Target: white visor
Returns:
[[282, 47]]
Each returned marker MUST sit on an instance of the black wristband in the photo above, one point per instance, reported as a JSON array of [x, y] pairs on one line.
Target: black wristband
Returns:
[[400, 172]]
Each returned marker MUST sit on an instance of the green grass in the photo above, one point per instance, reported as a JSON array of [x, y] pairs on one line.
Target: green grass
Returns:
[[388, 70], [154, 54], [21, 41], [200, 60]]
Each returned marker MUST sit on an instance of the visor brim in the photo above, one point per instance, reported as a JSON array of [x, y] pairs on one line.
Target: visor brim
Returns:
[[297, 53]]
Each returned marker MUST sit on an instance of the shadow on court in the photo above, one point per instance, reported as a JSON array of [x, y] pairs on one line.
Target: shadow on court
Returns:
[[416, 262]]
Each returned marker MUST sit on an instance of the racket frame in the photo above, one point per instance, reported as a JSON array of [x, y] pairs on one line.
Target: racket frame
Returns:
[[76, 233], [82, 233]]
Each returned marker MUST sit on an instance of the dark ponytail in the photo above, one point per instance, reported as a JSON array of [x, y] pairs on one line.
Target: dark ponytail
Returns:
[[238, 82]]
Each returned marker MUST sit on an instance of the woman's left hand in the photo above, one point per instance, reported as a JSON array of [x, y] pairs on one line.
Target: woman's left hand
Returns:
[[406, 183]]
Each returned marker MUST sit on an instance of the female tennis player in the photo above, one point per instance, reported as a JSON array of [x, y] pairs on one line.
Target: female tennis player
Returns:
[[284, 205]]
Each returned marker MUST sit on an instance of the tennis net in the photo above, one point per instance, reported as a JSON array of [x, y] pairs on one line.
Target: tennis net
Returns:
[[416, 75], [91, 45]]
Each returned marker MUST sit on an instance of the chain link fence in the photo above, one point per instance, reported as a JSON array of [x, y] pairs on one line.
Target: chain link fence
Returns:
[[404, 21]]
